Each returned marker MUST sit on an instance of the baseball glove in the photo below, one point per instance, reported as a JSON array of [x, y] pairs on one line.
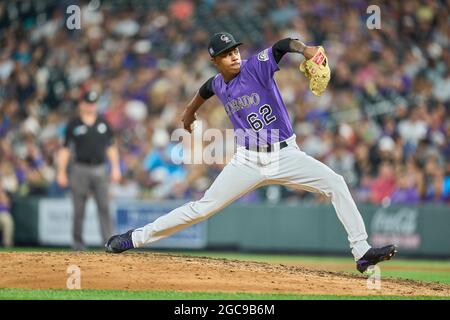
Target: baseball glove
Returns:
[[317, 71]]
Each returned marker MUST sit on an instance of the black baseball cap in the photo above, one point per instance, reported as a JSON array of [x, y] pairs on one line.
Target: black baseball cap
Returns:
[[221, 42], [91, 96]]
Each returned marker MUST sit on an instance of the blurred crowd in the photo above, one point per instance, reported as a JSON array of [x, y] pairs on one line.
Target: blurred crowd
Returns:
[[383, 123]]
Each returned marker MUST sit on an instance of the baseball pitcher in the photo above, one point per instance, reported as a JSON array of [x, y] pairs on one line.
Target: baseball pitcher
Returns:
[[267, 152]]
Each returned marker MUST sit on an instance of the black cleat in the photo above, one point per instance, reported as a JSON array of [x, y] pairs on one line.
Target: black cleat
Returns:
[[375, 255], [120, 243]]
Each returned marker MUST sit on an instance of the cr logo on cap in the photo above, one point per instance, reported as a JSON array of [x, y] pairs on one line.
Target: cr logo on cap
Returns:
[[225, 38]]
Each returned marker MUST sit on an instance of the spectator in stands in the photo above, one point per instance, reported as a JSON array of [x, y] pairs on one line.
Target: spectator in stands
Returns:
[[434, 180], [6, 221], [163, 172], [8, 177], [405, 191], [384, 184], [446, 184], [342, 162]]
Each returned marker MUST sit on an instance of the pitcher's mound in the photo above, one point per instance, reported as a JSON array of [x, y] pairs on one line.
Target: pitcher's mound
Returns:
[[160, 271]]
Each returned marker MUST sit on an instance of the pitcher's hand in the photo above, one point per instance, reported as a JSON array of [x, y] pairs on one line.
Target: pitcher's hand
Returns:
[[188, 119], [310, 52]]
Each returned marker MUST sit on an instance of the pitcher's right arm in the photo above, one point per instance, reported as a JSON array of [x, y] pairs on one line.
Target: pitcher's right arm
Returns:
[[205, 92]]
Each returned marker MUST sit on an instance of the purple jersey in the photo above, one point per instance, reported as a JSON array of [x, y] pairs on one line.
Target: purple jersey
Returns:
[[253, 102]]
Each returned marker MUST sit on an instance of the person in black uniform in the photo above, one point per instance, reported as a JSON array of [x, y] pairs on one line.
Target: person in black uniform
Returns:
[[88, 143]]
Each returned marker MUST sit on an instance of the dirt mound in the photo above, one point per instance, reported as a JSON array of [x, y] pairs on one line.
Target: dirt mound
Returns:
[[159, 271]]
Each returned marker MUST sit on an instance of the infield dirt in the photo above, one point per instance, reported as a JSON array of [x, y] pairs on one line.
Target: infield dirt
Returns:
[[161, 271]]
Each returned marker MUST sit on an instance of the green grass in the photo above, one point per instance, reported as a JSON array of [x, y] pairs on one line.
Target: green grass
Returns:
[[427, 276], [27, 294]]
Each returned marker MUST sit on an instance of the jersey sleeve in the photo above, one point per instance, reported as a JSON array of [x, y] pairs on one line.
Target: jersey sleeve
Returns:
[[206, 90], [263, 66], [280, 48]]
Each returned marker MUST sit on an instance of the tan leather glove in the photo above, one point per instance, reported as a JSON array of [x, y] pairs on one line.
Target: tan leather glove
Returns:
[[317, 71]]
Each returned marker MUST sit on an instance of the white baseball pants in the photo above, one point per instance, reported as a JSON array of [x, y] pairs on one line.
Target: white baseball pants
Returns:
[[249, 170]]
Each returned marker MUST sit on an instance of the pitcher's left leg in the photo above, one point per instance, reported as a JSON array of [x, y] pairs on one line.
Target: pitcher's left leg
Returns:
[[298, 170]]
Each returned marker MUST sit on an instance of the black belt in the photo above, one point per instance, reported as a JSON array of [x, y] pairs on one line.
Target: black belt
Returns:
[[89, 162], [267, 148]]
